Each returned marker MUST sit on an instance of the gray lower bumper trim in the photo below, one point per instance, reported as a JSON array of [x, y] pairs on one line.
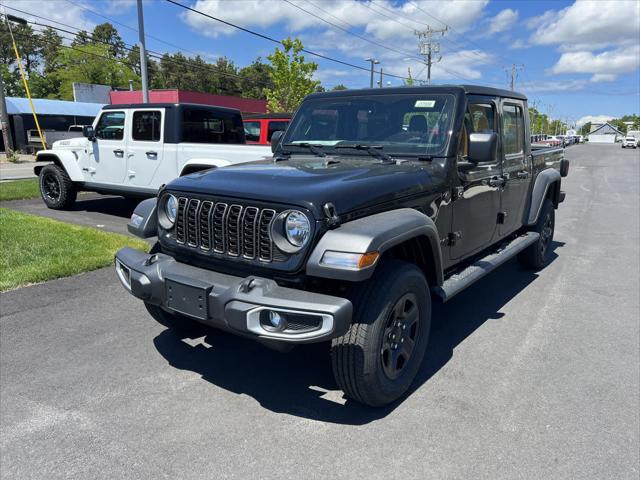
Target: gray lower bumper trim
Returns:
[[229, 299]]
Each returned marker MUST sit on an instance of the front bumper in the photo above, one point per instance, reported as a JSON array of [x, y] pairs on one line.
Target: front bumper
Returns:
[[232, 303]]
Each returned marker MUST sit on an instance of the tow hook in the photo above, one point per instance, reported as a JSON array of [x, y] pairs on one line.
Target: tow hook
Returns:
[[332, 219]]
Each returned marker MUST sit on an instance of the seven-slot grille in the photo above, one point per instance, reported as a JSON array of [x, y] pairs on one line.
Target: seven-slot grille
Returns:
[[231, 229]]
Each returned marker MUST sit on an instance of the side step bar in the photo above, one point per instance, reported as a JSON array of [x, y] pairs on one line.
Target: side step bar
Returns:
[[461, 280]]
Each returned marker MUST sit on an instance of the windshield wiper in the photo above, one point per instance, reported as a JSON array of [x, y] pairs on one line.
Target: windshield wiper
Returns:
[[373, 150], [309, 146]]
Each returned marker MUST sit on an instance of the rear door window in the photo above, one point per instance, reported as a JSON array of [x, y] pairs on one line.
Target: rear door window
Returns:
[[110, 126], [146, 126], [201, 125], [512, 129]]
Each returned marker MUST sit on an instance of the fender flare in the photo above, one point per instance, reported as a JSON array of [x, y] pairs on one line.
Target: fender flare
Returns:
[[144, 221], [65, 159], [543, 183], [378, 232], [195, 164]]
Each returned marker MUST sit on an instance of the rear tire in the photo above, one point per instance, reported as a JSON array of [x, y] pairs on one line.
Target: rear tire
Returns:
[[56, 188], [536, 256], [376, 361]]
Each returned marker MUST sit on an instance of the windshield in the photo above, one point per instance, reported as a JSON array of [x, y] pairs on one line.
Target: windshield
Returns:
[[411, 124]]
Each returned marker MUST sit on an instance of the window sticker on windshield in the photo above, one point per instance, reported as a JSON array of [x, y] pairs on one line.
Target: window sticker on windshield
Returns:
[[425, 104]]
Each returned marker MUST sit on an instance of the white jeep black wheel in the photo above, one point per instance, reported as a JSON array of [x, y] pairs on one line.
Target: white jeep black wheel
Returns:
[[56, 188], [376, 361]]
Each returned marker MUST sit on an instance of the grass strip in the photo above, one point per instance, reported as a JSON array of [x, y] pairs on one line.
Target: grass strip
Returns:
[[35, 249], [19, 189]]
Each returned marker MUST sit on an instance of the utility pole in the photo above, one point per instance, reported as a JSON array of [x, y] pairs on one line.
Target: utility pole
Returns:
[[4, 121], [373, 62], [381, 74], [143, 55], [428, 47], [514, 73]]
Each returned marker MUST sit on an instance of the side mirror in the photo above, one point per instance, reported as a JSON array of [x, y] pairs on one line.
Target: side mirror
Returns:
[[87, 131], [483, 147], [275, 139]]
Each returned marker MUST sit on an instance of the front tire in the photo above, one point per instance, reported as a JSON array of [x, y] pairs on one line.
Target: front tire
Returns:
[[56, 188], [376, 361], [536, 256]]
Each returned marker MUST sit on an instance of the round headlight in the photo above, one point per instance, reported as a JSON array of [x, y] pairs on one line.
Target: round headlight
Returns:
[[297, 228], [171, 208], [167, 211]]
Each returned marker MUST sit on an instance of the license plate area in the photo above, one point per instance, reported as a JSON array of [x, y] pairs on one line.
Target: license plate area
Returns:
[[187, 299]]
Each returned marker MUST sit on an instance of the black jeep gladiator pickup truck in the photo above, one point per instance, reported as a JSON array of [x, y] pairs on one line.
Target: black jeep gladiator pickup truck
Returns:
[[375, 202]]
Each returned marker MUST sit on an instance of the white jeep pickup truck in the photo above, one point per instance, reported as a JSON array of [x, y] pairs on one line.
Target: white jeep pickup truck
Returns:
[[132, 150]]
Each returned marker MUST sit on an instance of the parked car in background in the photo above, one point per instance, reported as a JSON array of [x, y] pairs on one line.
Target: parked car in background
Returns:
[[374, 201], [629, 142], [132, 150], [259, 128]]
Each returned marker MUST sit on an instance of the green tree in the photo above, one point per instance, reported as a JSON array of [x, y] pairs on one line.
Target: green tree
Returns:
[[255, 79], [292, 77], [585, 129], [105, 33], [339, 87], [90, 64], [82, 38]]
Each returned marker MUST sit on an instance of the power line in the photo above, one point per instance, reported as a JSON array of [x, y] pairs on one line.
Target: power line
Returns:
[[271, 39], [373, 42], [130, 27], [129, 47]]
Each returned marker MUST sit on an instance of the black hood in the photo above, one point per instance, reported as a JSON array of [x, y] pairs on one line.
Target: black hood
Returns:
[[352, 183]]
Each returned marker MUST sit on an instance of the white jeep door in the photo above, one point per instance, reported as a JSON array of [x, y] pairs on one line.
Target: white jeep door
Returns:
[[109, 149], [145, 146]]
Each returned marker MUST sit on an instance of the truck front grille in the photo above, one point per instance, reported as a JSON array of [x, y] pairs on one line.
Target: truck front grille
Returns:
[[229, 229]]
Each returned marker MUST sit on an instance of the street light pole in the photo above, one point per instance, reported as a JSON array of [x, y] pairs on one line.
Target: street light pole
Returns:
[[373, 62], [143, 55]]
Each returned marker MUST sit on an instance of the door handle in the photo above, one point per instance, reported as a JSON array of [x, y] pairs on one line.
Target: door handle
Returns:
[[496, 181], [118, 152], [522, 175], [152, 154]]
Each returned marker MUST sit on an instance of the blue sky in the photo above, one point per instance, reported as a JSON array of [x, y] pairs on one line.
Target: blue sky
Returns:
[[582, 59]]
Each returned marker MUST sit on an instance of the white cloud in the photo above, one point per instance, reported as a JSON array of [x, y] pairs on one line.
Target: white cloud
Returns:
[[54, 10], [594, 119], [381, 20], [588, 25], [609, 63], [503, 21], [390, 24], [603, 77]]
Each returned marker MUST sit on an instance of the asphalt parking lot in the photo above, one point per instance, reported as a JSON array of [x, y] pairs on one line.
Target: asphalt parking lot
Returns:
[[526, 376]]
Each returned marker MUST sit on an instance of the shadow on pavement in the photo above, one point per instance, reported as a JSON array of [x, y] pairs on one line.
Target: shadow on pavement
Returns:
[[116, 206], [301, 382]]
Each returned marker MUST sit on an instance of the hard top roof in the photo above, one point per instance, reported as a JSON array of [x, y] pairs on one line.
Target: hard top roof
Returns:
[[267, 115], [469, 89], [125, 106]]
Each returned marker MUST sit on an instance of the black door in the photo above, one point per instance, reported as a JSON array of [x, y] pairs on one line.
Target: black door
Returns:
[[516, 166], [477, 201]]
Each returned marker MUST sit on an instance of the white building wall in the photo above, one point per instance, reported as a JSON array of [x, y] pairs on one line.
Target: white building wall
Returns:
[[607, 138]]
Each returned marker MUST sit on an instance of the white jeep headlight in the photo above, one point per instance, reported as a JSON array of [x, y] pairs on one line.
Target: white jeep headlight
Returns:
[[297, 228]]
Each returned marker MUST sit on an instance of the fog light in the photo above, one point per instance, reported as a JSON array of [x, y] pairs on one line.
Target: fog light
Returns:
[[277, 321]]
